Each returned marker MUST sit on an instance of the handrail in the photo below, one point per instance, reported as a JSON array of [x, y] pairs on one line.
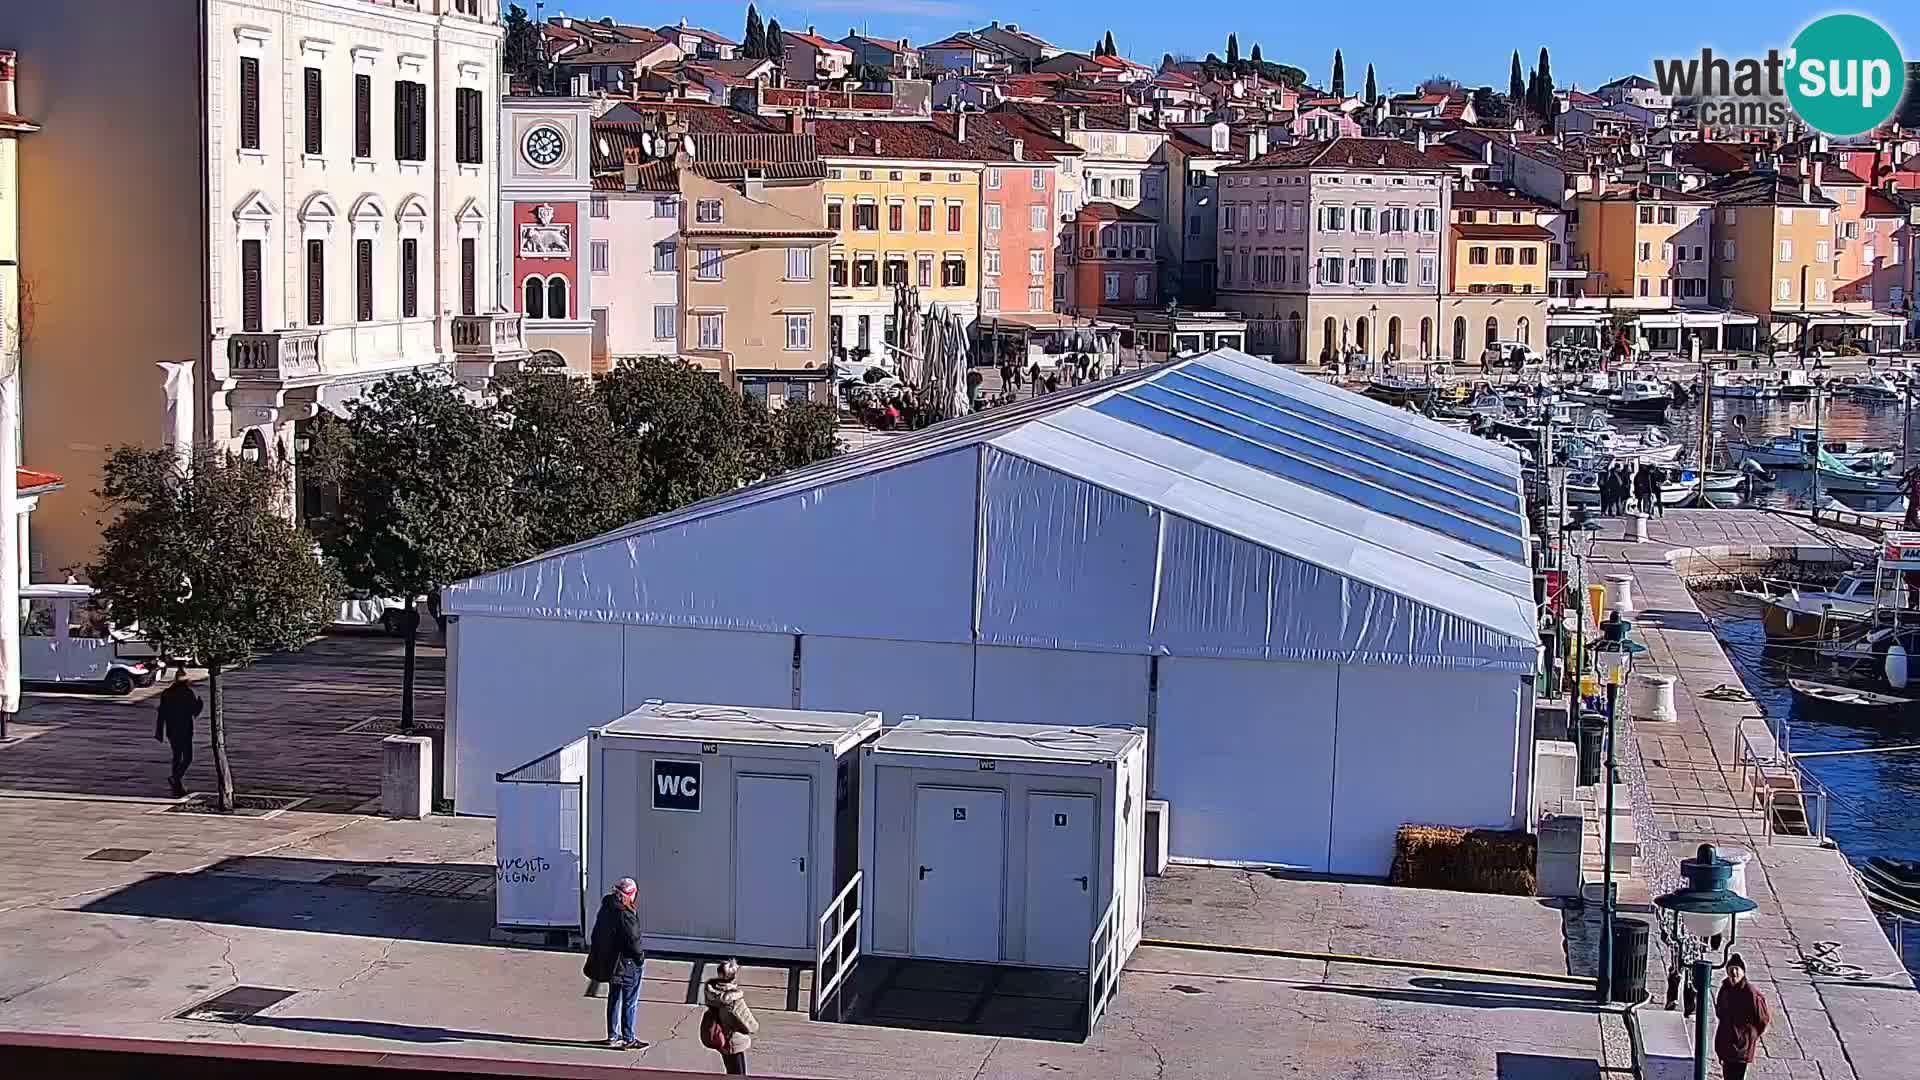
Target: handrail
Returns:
[[1102, 950], [843, 960]]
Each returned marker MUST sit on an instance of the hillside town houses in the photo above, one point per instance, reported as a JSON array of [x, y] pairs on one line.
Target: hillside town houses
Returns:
[[372, 190]]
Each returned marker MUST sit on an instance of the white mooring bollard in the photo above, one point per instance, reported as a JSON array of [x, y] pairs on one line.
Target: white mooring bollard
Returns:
[[1637, 526], [1650, 697], [1620, 593]]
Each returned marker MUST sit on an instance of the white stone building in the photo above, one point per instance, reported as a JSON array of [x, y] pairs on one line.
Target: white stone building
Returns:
[[281, 201]]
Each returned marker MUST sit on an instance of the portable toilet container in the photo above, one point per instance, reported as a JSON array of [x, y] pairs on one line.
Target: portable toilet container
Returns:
[[739, 824], [1015, 844]]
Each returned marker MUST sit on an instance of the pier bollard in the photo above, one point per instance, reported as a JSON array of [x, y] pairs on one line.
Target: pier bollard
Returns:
[[1620, 593], [1637, 526], [1650, 697]]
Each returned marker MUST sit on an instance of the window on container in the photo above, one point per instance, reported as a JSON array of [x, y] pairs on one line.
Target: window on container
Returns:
[[409, 278], [316, 282], [363, 279], [314, 142], [250, 103], [250, 283]]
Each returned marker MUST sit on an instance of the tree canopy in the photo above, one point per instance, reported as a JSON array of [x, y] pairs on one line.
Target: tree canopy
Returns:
[[1233, 50], [1107, 44], [754, 47], [521, 48], [776, 41], [1516, 82]]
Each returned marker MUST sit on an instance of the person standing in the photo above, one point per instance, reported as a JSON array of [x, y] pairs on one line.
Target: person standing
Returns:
[[178, 707], [614, 957], [1742, 1013], [1606, 492], [728, 1024]]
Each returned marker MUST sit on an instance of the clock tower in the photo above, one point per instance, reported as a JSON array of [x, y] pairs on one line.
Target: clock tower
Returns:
[[546, 180]]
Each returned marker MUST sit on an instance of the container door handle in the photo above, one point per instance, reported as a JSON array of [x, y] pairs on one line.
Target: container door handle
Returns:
[[1082, 879], [923, 872], [803, 864]]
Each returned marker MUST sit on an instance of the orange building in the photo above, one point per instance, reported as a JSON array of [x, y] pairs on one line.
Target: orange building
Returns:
[[1114, 259]]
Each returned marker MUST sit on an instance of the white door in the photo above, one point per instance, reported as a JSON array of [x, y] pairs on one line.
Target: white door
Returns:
[[773, 860], [960, 839], [1060, 879]]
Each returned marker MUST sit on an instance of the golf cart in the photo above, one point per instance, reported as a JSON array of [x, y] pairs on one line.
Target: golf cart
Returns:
[[66, 638]]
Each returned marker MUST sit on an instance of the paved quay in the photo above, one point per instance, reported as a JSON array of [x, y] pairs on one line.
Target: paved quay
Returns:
[[1687, 792], [381, 932]]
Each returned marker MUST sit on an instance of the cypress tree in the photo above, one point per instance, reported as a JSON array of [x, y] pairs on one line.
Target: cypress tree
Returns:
[[1256, 55], [1373, 93], [1233, 51], [1516, 85], [1107, 44], [1546, 85], [776, 45], [1339, 75], [755, 47]]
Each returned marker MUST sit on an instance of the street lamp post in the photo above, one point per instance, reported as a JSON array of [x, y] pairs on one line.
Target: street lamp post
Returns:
[[1576, 538], [1704, 908], [1613, 657]]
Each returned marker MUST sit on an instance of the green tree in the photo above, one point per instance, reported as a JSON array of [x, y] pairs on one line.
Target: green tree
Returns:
[[1339, 88], [1373, 91], [796, 434], [1545, 105], [521, 47], [1107, 43], [200, 554], [755, 45], [776, 43], [688, 433], [1233, 51], [1257, 62], [426, 496], [1166, 61], [1516, 84], [572, 475]]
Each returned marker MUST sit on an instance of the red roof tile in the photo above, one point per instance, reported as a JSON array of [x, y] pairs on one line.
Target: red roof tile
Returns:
[[815, 40], [33, 481], [1106, 211], [1476, 231], [931, 139], [1345, 154]]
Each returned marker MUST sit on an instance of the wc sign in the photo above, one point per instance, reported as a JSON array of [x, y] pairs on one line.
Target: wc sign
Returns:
[[676, 786]]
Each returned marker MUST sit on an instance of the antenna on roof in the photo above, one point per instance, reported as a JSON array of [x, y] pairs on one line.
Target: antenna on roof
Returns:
[[605, 150], [686, 143]]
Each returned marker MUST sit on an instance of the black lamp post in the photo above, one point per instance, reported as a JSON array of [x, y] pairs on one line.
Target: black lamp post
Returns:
[[1613, 658], [1705, 909], [1576, 538]]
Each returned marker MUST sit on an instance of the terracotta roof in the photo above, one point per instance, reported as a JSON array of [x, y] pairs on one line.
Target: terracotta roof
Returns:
[[1630, 82], [695, 31], [35, 482], [815, 40], [1760, 189], [1450, 154], [1100, 117], [931, 139], [724, 157], [1645, 192], [965, 40], [1879, 204], [612, 52], [879, 43], [1476, 231], [1345, 154], [1175, 78], [1106, 211], [1037, 142], [1715, 157], [1487, 198], [815, 97]]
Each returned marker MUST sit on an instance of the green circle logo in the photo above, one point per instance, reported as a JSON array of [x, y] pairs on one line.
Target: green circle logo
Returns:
[[1845, 75]]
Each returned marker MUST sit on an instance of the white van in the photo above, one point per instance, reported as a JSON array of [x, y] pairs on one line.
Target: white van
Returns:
[[65, 638]]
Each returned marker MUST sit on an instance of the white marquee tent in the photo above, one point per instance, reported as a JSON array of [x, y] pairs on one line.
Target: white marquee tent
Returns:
[[1319, 605]]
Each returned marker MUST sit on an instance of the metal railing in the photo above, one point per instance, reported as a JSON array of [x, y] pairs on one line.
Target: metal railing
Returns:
[[836, 937], [1103, 951]]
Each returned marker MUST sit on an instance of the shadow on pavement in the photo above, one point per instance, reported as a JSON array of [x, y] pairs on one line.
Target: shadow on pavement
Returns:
[[412, 913], [1543, 1067], [1471, 994], [413, 1033]]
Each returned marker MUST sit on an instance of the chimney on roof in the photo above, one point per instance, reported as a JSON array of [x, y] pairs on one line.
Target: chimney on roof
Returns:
[[630, 169], [1019, 149], [810, 32], [850, 144], [1133, 119], [960, 126], [903, 43], [876, 144], [683, 22], [1014, 27], [1486, 152], [1420, 139], [1080, 119], [1260, 138], [1806, 189], [796, 123], [851, 31], [1819, 168], [995, 26], [755, 185]]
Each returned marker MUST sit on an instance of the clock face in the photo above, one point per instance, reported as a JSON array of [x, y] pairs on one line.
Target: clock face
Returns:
[[544, 146]]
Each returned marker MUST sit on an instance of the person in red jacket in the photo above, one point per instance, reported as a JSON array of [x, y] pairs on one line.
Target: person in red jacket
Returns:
[[1742, 1012]]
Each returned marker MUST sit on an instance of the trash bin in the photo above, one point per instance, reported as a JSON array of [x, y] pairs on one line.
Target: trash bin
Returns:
[[1629, 960], [1593, 733]]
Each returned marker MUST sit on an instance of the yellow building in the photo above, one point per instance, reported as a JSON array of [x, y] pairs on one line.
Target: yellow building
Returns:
[[903, 198], [1499, 257], [1646, 247], [1773, 254]]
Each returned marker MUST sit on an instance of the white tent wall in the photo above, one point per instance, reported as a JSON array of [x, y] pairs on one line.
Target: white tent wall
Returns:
[[1428, 747], [739, 667], [510, 711], [893, 678], [1054, 686], [1242, 750]]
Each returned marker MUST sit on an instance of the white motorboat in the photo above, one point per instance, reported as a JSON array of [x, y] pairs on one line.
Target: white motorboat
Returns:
[[1877, 389], [1838, 478], [1681, 486], [1651, 446], [1795, 385], [1640, 397], [1744, 387], [1801, 613]]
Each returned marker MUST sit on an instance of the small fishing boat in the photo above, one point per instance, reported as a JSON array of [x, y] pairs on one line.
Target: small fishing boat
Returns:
[[1901, 877], [1396, 387], [1795, 451], [1795, 385], [1583, 486], [1797, 613], [1808, 693], [1877, 390], [1838, 478], [1640, 397], [1744, 387]]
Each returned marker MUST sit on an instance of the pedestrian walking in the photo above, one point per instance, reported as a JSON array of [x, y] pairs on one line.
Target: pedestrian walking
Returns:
[[1742, 1012], [728, 1025], [614, 957], [1643, 489], [178, 707], [1659, 487], [1033, 377], [1606, 492]]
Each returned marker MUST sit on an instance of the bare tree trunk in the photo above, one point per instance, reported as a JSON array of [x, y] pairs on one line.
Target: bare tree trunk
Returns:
[[411, 623], [217, 725]]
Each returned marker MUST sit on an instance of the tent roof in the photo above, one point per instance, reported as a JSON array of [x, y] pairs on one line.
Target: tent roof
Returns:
[[1269, 463]]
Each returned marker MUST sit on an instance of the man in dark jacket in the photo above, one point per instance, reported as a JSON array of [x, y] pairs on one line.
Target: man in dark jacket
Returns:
[[614, 957], [1743, 1016], [178, 706]]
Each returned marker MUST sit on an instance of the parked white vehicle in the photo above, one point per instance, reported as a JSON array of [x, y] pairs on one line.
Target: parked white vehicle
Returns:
[[65, 638]]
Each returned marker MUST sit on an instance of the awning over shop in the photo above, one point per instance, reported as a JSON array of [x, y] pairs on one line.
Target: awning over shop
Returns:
[[1578, 318], [1693, 320], [1856, 319]]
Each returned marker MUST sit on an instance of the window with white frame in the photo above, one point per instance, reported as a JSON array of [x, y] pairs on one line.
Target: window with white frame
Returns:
[[597, 206], [1785, 288], [1786, 251], [799, 332], [1037, 218], [1363, 219], [1036, 262], [666, 322], [601, 255], [990, 298], [665, 257], [1039, 179], [663, 208], [1036, 298], [707, 212], [712, 331], [1820, 251], [1429, 267], [1123, 187], [993, 179], [1395, 270], [1363, 270], [993, 217], [1095, 186], [799, 264], [1110, 286], [1826, 216], [1143, 286], [990, 261], [1331, 268], [1819, 288], [707, 264]]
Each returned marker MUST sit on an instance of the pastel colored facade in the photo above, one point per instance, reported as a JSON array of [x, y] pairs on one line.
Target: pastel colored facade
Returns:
[[1336, 245], [546, 184], [903, 199], [1499, 252], [28, 484], [633, 254], [697, 43], [1018, 230], [1114, 263], [1320, 122], [1771, 242], [309, 208], [809, 58], [1645, 247], [895, 57]]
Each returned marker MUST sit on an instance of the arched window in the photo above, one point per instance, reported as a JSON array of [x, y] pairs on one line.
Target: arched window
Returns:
[[1293, 348], [1493, 331], [1426, 338], [1360, 333], [1522, 331], [536, 305], [1329, 339], [556, 297], [1393, 335], [1460, 337]]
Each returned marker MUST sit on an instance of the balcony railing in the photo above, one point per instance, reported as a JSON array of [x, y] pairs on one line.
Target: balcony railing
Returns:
[[278, 356], [498, 333]]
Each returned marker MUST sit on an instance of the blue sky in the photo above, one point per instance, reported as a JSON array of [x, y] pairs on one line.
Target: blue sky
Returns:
[[1589, 42]]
